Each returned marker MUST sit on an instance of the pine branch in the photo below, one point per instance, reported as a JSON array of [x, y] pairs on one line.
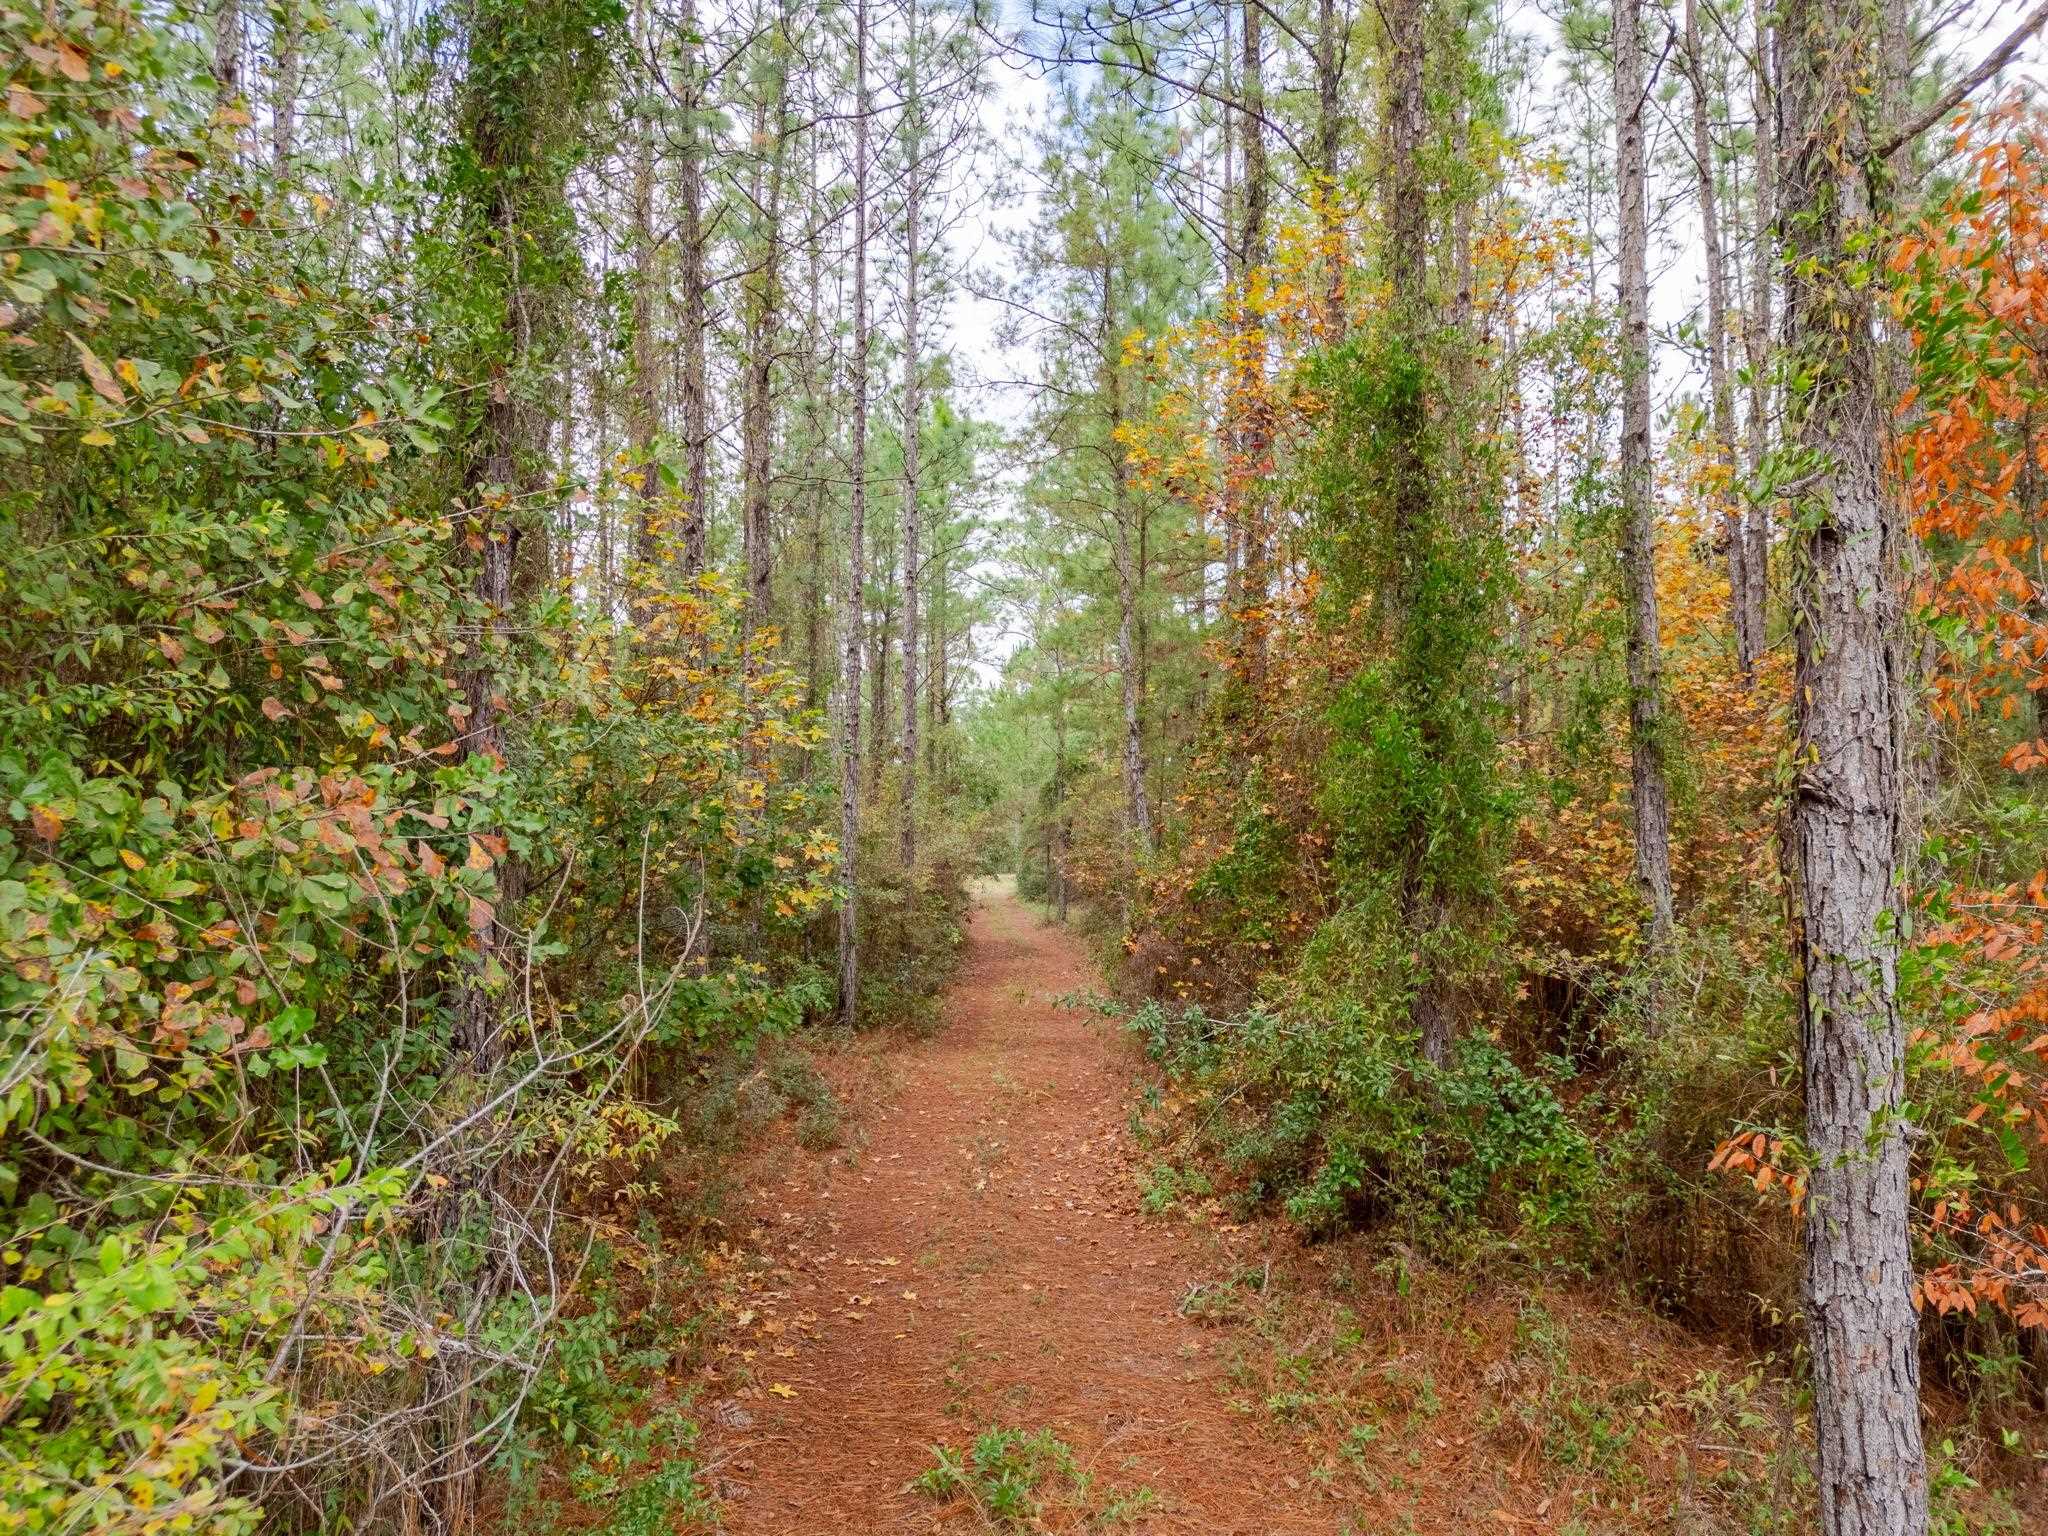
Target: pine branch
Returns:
[[1956, 94]]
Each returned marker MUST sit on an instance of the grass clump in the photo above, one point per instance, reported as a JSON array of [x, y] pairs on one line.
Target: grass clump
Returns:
[[1012, 1476]]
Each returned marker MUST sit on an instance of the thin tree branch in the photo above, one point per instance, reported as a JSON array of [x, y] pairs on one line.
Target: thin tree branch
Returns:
[[1956, 94]]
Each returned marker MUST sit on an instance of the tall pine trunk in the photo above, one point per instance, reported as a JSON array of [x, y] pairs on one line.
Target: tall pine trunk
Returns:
[[1229, 431], [913, 422], [644, 410], [882, 634], [856, 535], [507, 216], [1255, 431], [1720, 396], [1750, 629], [1848, 617], [1137, 808], [1060, 834], [1650, 793], [227, 53], [1413, 491], [287, 47], [695, 299], [1329, 141], [764, 300], [813, 385], [935, 687]]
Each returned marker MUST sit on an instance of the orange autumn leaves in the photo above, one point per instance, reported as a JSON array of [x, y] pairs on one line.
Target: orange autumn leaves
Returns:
[[1971, 293], [1972, 290], [1974, 428]]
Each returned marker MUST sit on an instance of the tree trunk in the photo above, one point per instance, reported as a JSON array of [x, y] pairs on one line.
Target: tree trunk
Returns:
[[1863, 1333], [935, 684], [1255, 430], [814, 614], [1329, 139], [813, 391], [1461, 241], [1650, 793], [605, 580], [695, 300], [913, 423], [493, 554], [1137, 810], [856, 580], [284, 105], [227, 54], [757, 425], [1061, 830], [1756, 522], [883, 631], [512, 197], [1229, 428], [1141, 574], [1257, 192], [1412, 491], [568, 523], [1721, 401], [645, 409]]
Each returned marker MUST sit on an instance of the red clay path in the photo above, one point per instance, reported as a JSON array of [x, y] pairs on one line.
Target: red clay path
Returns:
[[980, 1260]]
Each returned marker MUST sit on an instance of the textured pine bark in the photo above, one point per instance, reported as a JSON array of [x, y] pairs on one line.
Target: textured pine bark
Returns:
[[1650, 794], [881, 646], [1864, 1334], [694, 300], [1720, 394], [814, 386], [1254, 431], [913, 424], [289, 28], [479, 1035], [935, 670], [1329, 147], [496, 539], [502, 542], [1748, 599], [764, 300], [644, 421], [1060, 837], [856, 533], [1229, 431], [1123, 556], [227, 52], [1413, 493], [757, 427], [1137, 801]]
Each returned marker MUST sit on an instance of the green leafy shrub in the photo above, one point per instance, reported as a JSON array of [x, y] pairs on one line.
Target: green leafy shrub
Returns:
[[293, 1157], [1341, 1121]]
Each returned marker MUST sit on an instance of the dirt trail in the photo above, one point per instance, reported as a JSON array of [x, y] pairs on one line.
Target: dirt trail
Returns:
[[983, 1261]]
